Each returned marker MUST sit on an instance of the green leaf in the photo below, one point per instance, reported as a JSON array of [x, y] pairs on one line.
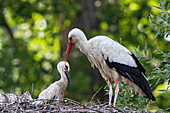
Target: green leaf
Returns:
[[157, 72], [158, 52], [158, 7], [158, 80], [145, 49], [167, 65], [150, 19], [160, 19], [160, 4], [168, 6], [150, 53], [157, 33], [165, 75], [161, 90]]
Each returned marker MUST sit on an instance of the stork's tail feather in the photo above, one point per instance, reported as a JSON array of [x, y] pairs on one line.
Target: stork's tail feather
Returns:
[[146, 88], [150, 95], [152, 98]]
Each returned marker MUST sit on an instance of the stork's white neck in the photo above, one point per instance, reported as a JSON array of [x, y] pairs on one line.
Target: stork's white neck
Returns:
[[83, 44], [86, 48], [63, 78]]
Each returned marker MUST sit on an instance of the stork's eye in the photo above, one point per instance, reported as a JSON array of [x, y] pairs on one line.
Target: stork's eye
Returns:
[[66, 67], [70, 39]]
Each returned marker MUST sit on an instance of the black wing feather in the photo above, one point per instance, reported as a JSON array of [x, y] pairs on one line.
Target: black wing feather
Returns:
[[134, 74], [138, 64]]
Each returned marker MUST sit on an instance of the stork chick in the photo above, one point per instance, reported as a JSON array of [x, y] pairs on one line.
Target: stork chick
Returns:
[[25, 96], [8, 98], [56, 90], [114, 61]]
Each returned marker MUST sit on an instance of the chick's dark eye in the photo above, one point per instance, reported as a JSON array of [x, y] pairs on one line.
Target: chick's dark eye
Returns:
[[70, 39], [66, 67]]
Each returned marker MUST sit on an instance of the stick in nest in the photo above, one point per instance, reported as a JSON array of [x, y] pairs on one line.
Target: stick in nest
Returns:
[[96, 93]]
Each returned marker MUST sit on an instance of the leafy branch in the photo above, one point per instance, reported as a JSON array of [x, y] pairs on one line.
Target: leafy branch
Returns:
[[161, 21]]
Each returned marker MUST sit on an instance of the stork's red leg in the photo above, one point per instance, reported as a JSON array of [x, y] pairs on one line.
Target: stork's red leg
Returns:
[[110, 91], [116, 91]]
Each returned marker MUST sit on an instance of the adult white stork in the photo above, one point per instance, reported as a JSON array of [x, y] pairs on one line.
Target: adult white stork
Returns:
[[114, 62], [56, 90]]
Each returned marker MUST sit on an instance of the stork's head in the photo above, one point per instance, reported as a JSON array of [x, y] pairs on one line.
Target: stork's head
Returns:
[[63, 66], [75, 35]]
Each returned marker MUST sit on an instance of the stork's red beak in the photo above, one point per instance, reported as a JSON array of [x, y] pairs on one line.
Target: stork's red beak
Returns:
[[69, 47]]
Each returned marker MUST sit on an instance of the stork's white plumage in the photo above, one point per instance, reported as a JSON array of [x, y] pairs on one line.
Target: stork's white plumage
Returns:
[[114, 62], [56, 90], [8, 98], [25, 96], [11, 98]]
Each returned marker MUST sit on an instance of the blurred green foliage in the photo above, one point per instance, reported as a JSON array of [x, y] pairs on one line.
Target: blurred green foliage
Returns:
[[31, 32], [162, 20]]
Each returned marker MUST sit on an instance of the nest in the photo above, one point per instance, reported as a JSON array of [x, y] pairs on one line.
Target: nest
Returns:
[[11, 103], [56, 105]]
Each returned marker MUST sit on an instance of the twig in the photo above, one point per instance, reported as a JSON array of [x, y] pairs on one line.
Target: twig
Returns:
[[156, 85], [32, 88], [83, 105], [166, 109], [96, 93]]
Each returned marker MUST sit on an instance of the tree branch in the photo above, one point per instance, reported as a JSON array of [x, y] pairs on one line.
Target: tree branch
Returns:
[[5, 24], [8, 29]]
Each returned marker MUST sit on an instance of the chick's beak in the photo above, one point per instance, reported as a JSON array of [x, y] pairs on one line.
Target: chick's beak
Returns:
[[68, 75], [69, 47]]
